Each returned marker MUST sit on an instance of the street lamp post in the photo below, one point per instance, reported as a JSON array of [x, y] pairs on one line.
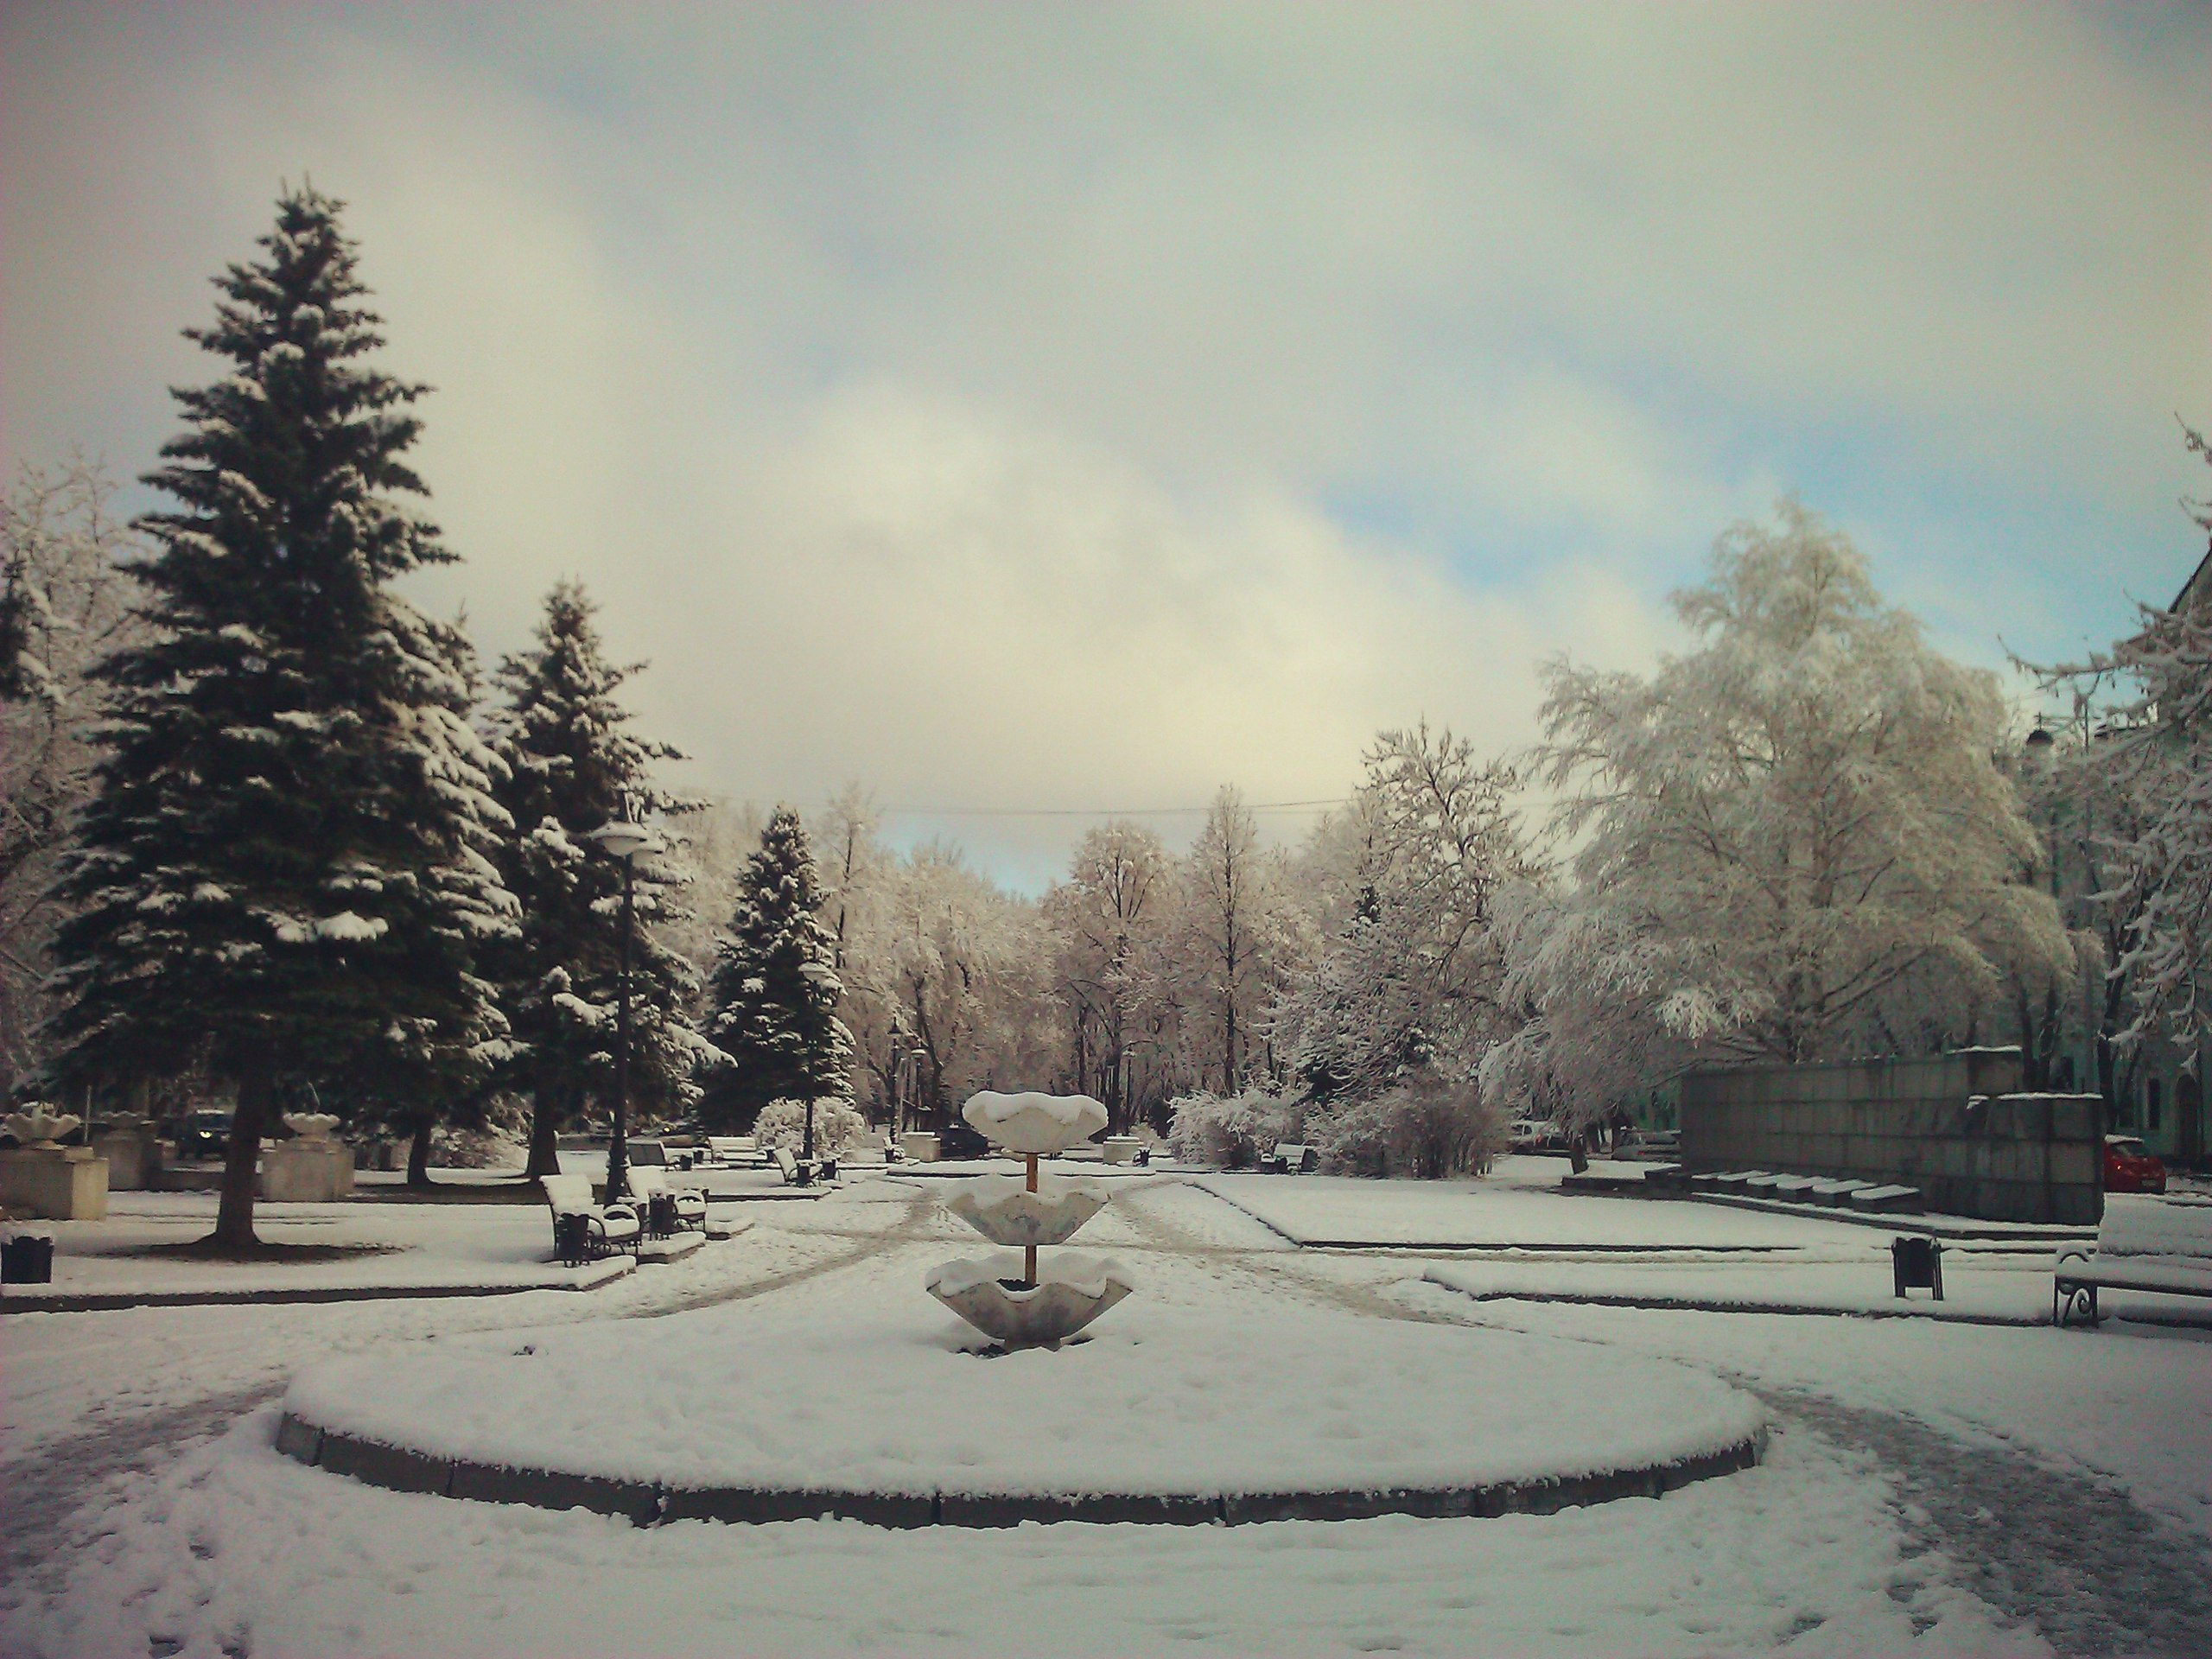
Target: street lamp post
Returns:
[[626, 842], [821, 982]]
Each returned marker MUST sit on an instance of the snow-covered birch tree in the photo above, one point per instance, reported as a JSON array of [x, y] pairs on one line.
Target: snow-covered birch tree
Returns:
[[2151, 757], [1112, 919], [1788, 826], [62, 548]]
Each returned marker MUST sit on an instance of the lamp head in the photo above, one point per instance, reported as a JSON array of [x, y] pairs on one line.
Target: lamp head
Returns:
[[624, 840]]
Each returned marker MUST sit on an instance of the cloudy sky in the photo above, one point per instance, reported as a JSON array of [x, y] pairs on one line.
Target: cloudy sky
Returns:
[[1022, 406]]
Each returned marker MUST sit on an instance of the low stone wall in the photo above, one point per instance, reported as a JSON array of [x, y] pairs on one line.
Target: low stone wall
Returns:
[[1955, 1126]]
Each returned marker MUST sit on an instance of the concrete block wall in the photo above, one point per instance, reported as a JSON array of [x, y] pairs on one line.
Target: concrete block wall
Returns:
[[1954, 1125]]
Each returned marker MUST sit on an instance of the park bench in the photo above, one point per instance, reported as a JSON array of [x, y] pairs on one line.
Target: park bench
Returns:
[[2156, 1247], [734, 1149], [582, 1231], [1292, 1157], [666, 1207], [801, 1171]]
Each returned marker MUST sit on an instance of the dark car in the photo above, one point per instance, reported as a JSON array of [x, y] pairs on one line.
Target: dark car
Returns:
[[959, 1140], [203, 1134], [2130, 1167]]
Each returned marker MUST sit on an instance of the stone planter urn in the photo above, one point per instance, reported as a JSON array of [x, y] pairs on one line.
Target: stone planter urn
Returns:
[[45, 1179], [39, 1127], [1005, 1296], [133, 1153], [314, 1166]]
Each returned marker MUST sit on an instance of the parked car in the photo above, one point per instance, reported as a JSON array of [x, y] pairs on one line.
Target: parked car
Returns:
[[1654, 1144], [2130, 1167], [957, 1139], [1535, 1134], [203, 1134]]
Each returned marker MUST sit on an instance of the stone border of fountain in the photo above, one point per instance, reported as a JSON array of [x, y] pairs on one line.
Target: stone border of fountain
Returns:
[[400, 1470]]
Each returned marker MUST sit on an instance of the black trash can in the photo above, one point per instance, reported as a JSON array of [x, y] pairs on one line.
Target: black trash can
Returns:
[[1916, 1261], [27, 1258]]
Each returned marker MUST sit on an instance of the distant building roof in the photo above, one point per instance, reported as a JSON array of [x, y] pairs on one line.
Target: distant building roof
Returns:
[[2198, 588]]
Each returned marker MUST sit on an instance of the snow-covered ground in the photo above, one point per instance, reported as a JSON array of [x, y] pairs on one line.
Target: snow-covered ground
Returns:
[[381, 1243], [1519, 1207], [1937, 1489]]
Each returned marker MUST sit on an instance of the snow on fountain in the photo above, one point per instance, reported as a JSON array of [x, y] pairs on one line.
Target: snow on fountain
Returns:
[[1004, 1295]]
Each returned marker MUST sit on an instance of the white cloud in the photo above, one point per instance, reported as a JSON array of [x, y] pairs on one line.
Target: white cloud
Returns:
[[952, 398]]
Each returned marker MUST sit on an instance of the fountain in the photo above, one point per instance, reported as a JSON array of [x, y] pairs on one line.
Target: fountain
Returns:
[[1003, 1295]]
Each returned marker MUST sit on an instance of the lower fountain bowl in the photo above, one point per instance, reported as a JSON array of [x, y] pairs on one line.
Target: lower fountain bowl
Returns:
[[1071, 1291]]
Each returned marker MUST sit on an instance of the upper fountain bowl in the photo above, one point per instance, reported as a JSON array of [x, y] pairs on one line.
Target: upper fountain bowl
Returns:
[[1033, 1123]]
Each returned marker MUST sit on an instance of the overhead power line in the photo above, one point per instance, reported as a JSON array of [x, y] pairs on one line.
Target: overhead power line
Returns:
[[1099, 812]]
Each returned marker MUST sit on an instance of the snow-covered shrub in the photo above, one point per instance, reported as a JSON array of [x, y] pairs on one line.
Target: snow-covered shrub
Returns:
[[1433, 1124], [1232, 1130], [489, 1148], [838, 1126]]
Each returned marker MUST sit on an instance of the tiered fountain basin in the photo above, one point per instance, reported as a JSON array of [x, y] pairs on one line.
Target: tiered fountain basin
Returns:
[[1011, 1298], [1069, 1292], [869, 1403], [1005, 1210]]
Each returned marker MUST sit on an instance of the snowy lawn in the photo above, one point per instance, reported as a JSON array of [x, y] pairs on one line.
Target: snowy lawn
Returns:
[[239, 1549], [180, 1543], [882, 1393], [1517, 1205], [383, 1244], [2008, 1284], [2130, 1403]]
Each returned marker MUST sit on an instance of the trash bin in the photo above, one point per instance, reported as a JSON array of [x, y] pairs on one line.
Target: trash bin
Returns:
[[1916, 1262], [572, 1238], [27, 1258]]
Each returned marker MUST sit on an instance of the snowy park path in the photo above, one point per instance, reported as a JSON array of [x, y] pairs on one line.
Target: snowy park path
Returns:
[[153, 1515], [2067, 1550]]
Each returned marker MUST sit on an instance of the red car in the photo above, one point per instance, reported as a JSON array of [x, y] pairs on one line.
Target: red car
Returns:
[[2129, 1166]]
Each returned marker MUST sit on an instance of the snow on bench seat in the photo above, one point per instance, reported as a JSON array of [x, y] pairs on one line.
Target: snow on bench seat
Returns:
[[2155, 1246]]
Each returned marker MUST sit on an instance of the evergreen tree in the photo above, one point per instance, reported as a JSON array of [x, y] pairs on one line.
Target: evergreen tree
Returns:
[[285, 874], [775, 990], [16, 670], [573, 763]]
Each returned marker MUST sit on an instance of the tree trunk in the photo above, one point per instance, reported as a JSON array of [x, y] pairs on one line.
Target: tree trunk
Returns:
[[242, 1160], [544, 1138], [418, 1156]]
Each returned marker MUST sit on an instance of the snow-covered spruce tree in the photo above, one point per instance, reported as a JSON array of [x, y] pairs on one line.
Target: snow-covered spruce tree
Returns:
[[1796, 831], [2152, 750], [284, 871], [774, 989], [573, 763]]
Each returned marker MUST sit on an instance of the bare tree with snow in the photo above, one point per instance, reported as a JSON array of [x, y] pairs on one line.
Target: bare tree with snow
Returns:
[[1787, 828], [72, 603]]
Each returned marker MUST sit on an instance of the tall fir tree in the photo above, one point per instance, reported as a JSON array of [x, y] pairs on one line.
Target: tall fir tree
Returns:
[[286, 872], [573, 763], [774, 989]]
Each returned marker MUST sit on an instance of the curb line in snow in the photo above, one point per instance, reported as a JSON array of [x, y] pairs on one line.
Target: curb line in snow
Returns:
[[1927, 1311], [32, 1302], [646, 1503]]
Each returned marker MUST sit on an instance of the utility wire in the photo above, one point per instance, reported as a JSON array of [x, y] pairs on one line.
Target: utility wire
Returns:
[[1098, 812]]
